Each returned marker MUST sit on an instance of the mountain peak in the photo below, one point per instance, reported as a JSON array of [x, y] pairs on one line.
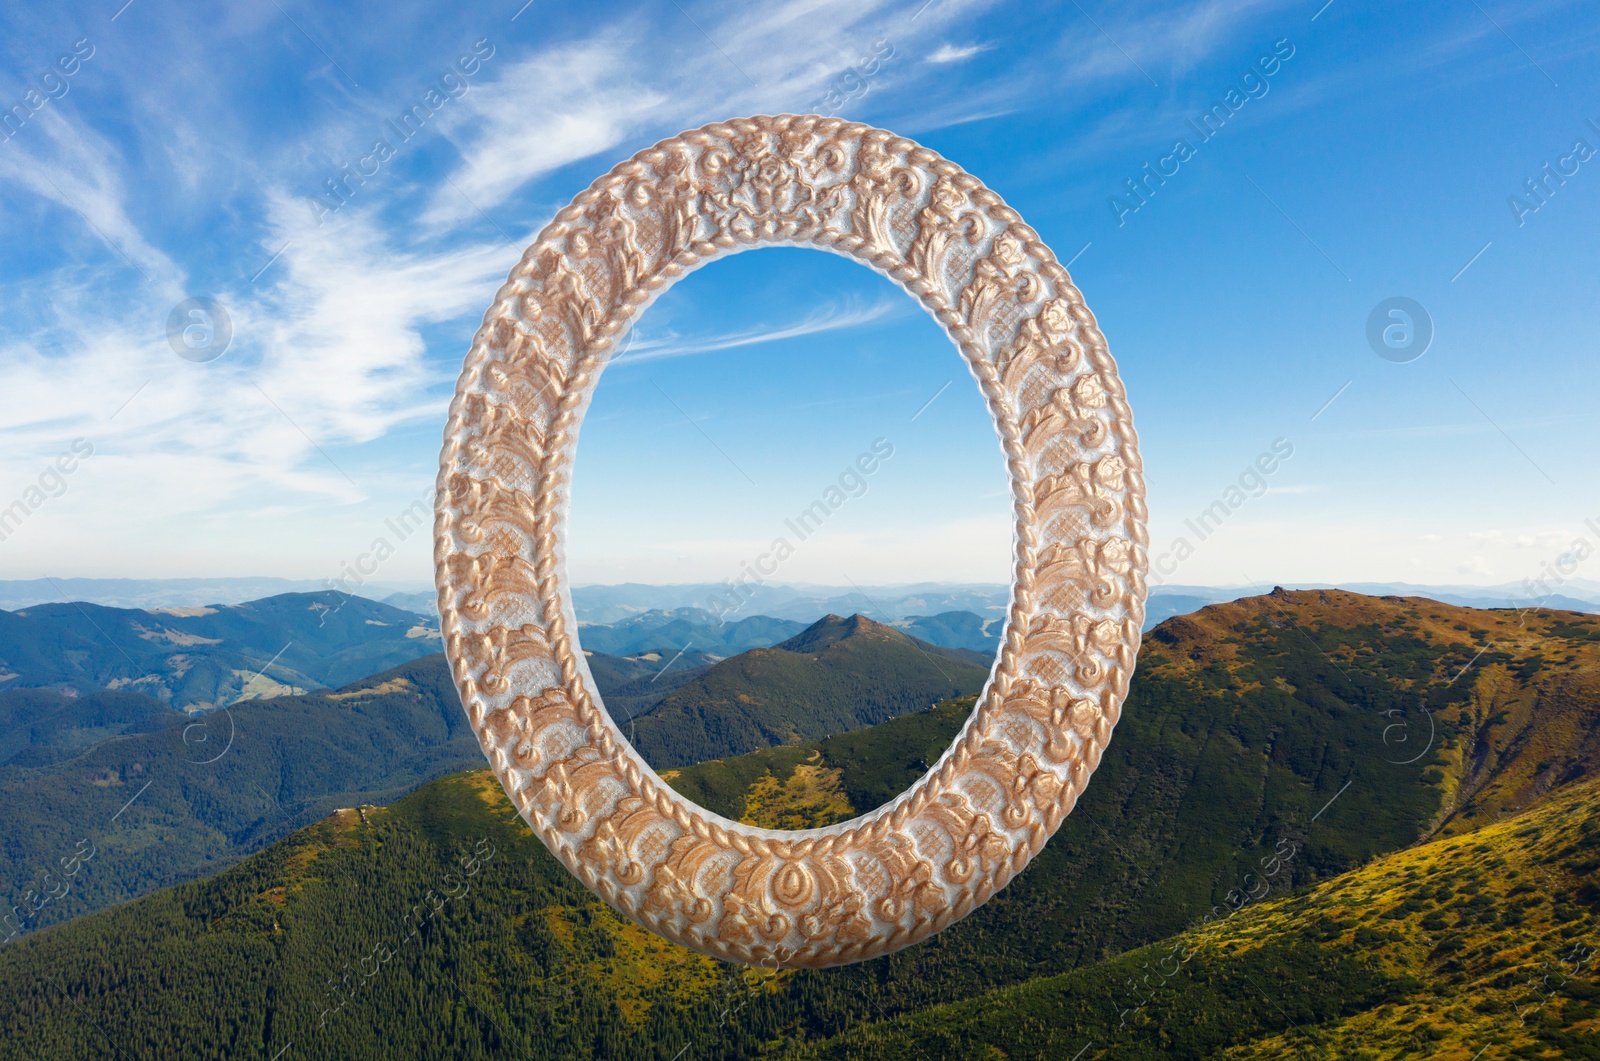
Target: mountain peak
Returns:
[[831, 629]]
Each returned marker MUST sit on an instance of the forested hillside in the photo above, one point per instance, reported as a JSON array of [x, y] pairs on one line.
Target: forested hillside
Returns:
[[807, 786], [198, 794], [41, 726], [632, 685], [837, 675], [1257, 766]]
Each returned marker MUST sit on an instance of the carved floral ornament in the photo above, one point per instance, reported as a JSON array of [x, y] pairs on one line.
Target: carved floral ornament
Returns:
[[890, 878]]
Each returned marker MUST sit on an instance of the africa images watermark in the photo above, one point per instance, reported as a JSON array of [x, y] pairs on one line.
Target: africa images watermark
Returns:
[[851, 482], [453, 84], [199, 330], [1399, 329], [1553, 574], [1254, 84], [1252, 482], [36, 899], [415, 517], [855, 80], [52, 85], [52, 482], [1538, 191], [1143, 991]]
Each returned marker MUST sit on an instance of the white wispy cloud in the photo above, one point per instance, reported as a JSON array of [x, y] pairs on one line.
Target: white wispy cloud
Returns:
[[830, 318], [63, 160], [543, 112], [622, 86], [343, 339], [949, 53], [331, 355]]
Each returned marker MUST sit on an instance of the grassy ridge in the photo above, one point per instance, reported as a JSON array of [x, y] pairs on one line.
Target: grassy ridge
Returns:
[[1477, 941]]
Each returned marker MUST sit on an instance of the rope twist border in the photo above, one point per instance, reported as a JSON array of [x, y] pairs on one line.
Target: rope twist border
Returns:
[[892, 889]]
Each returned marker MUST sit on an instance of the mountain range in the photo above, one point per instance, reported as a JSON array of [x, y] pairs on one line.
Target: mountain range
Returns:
[[176, 592], [684, 628], [202, 657], [1327, 823], [607, 605], [166, 802], [207, 790], [612, 604]]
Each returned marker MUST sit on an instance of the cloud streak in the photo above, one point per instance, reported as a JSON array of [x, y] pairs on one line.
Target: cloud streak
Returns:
[[832, 318], [949, 53]]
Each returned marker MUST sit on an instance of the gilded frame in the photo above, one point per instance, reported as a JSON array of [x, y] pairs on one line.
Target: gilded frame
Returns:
[[897, 875]]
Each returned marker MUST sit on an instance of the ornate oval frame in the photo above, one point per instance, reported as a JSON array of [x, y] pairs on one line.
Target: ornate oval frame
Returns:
[[885, 880]]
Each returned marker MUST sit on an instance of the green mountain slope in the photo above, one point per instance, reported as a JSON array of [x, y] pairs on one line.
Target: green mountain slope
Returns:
[[632, 685], [283, 921], [199, 658], [40, 726], [1482, 944], [188, 798], [1254, 731], [836, 675]]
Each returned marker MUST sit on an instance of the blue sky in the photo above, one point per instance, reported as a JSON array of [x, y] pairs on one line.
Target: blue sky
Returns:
[[181, 156]]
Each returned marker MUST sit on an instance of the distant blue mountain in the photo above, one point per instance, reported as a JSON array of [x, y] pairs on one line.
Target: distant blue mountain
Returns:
[[682, 629], [170, 592], [207, 656]]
